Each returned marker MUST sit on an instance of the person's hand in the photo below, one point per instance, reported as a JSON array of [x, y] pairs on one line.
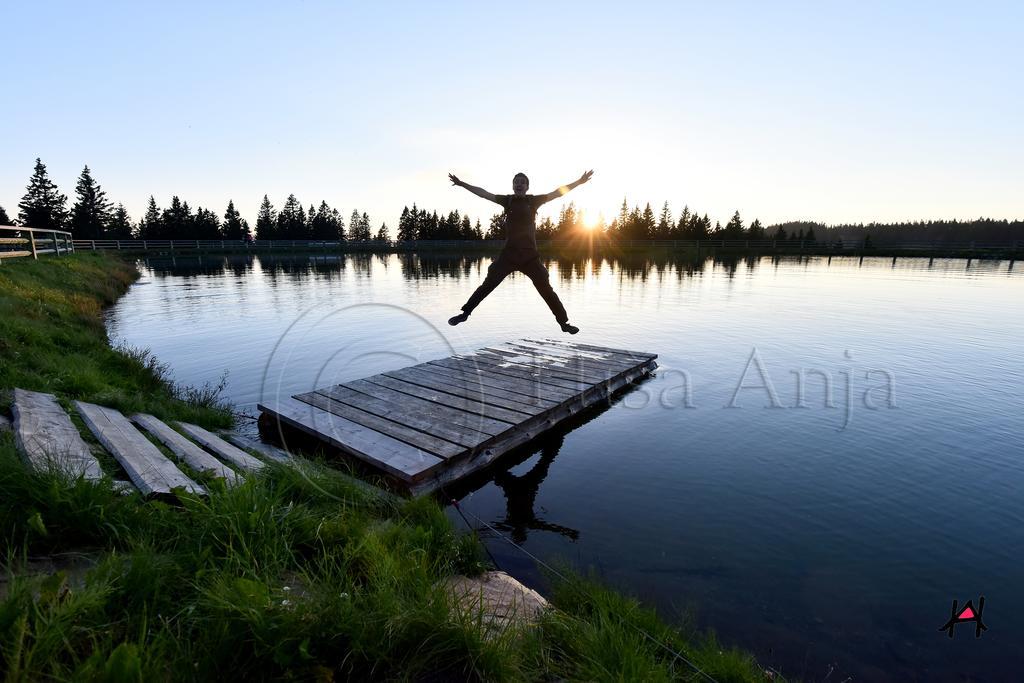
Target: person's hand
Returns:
[[585, 177], [454, 179]]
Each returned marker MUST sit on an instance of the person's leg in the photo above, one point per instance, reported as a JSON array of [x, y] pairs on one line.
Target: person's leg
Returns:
[[496, 272], [538, 274]]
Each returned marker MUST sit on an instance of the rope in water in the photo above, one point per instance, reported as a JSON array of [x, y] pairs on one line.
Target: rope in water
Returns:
[[675, 653]]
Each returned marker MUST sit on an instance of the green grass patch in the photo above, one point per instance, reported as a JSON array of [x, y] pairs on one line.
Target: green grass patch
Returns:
[[52, 339]]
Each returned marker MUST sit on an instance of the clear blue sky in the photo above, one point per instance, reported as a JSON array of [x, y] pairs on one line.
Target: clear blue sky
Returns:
[[829, 111]]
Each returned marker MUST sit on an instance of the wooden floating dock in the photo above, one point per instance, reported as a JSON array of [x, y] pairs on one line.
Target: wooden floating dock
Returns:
[[432, 423]]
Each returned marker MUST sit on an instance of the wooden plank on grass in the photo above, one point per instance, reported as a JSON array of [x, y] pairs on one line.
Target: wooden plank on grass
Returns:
[[46, 437], [191, 454], [233, 454], [148, 468], [267, 450]]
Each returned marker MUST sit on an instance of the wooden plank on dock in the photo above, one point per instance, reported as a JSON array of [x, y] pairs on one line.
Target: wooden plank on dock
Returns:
[[458, 434], [630, 355], [191, 454], [47, 438], [442, 379], [234, 455], [423, 440], [548, 365], [148, 468], [591, 360], [528, 382], [479, 422], [406, 462]]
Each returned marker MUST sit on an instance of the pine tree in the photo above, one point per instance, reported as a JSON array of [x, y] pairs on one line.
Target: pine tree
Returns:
[[664, 229], [354, 226], [119, 227], [810, 235], [266, 221], [150, 227], [234, 226], [43, 206], [205, 225], [406, 232], [91, 212], [382, 234], [364, 226], [734, 228], [177, 221], [779, 235], [4, 218], [682, 230], [756, 231], [647, 226], [291, 222], [623, 220]]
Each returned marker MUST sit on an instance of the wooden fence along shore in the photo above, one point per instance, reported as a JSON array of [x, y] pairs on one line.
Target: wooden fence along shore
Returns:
[[439, 421], [698, 246], [19, 241], [16, 242]]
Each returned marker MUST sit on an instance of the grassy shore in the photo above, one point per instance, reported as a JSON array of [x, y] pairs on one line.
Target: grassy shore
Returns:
[[297, 574]]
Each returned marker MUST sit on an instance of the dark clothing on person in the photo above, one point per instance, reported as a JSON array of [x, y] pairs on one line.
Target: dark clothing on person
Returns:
[[505, 265], [519, 253], [520, 224]]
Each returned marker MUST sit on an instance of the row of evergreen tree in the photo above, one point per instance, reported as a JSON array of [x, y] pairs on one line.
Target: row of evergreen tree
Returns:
[[92, 216]]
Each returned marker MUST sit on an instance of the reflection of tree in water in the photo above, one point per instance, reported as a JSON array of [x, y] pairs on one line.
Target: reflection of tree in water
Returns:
[[521, 495]]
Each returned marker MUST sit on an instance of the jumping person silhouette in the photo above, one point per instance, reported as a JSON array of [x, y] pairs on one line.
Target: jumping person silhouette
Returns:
[[520, 250]]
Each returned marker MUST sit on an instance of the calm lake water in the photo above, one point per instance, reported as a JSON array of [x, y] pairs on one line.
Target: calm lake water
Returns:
[[817, 537]]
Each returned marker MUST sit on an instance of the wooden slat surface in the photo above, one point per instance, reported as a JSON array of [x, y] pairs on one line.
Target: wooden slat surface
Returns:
[[549, 365], [577, 358], [396, 457], [46, 437], [481, 377], [468, 406], [14, 254], [465, 436], [637, 355], [420, 439], [233, 454], [191, 454], [487, 425], [529, 380], [148, 468], [441, 379]]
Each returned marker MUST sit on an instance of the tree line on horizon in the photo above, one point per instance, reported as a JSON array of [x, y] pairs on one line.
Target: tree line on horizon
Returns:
[[93, 216]]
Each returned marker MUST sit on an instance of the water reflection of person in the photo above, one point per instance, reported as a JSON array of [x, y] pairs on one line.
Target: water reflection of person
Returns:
[[520, 250], [521, 494]]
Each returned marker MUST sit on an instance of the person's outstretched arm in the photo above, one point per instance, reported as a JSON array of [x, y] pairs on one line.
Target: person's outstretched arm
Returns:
[[478, 191], [555, 194]]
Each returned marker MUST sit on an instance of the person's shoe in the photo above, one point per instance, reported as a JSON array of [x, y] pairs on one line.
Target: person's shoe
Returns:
[[571, 329], [460, 318]]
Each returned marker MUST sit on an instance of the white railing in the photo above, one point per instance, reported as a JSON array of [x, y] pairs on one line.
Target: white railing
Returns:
[[37, 240]]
